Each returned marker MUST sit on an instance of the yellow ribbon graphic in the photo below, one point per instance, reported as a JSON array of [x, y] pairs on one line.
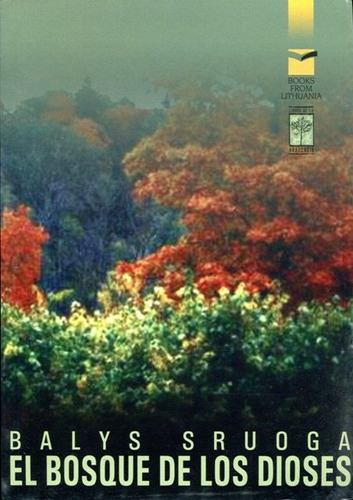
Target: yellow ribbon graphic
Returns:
[[301, 18]]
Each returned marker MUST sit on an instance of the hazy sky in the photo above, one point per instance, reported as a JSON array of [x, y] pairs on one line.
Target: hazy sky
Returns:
[[125, 45]]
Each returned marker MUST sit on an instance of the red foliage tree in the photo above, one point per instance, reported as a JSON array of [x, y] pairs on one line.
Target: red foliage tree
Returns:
[[21, 245], [290, 222]]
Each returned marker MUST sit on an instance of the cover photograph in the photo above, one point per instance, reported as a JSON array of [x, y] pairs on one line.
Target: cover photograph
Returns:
[[176, 249]]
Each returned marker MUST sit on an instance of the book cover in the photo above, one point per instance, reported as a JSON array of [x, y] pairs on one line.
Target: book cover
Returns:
[[177, 249]]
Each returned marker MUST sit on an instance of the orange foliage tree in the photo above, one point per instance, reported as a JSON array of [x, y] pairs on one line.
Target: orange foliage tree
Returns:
[[59, 108], [289, 222], [21, 245], [237, 124], [91, 131]]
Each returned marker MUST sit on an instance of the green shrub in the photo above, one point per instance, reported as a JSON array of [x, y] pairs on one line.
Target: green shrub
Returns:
[[239, 355]]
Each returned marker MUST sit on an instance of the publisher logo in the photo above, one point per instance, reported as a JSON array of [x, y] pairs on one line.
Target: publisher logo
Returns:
[[301, 130], [301, 61]]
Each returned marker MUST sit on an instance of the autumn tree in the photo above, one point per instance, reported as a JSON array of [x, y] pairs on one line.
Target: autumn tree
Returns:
[[91, 131], [21, 255], [236, 121], [59, 108], [289, 223]]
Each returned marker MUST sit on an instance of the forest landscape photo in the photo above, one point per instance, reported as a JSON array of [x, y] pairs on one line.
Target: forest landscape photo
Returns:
[[176, 286]]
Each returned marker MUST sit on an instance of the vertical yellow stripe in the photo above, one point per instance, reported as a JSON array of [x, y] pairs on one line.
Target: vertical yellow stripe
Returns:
[[301, 18]]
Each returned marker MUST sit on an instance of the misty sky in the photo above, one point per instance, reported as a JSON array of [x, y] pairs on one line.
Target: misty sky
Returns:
[[125, 45]]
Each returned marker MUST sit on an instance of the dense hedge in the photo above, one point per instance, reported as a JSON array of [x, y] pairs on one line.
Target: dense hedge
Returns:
[[237, 356]]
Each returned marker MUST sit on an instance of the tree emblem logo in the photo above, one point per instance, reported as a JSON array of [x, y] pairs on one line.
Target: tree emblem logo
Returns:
[[301, 129]]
